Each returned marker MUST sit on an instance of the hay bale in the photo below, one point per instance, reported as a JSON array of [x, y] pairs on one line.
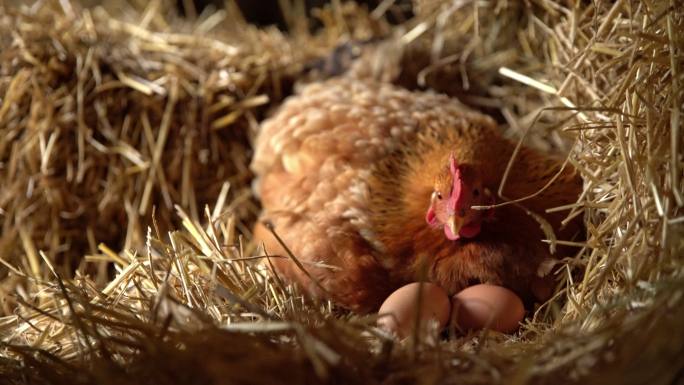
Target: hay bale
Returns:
[[111, 121], [602, 80]]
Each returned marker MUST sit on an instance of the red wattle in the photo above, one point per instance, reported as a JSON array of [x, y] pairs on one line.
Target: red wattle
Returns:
[[470, 230], [431, 217]]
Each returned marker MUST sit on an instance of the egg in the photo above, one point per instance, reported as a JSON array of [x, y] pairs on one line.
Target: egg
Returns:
[[487, 306], [399, 311]]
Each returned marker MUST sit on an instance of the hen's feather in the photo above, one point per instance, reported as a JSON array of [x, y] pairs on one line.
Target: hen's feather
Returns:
[[345, 172]]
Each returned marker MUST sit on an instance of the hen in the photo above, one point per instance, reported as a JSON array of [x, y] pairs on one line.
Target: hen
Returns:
[[371, 186]]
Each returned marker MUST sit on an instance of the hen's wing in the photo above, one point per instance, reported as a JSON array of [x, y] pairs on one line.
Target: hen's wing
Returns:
[[312, 161], [529, 176], [530, 173]]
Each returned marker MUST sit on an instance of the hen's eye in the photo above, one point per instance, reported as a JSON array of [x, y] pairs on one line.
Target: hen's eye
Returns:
[[476, 192], [438, 195]]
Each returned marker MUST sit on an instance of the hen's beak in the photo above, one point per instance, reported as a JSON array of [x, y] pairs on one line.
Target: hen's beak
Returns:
[[455, 223]]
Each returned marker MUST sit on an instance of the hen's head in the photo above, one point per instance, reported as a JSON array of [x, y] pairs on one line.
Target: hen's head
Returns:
[[457, 188]]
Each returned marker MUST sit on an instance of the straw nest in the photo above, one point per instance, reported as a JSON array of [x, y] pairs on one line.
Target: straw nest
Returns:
[[126, 204]]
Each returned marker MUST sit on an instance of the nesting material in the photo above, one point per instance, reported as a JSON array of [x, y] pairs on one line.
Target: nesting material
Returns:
[[96, 108], [108, 122]]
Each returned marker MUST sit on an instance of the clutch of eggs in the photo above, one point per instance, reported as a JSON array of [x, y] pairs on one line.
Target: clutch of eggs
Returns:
[[474, 308]]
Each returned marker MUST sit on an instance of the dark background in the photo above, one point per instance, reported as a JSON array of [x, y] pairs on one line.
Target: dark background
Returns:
[[267, 12]]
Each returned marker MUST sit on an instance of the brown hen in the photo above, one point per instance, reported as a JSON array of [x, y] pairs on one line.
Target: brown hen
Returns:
[[372, 186]]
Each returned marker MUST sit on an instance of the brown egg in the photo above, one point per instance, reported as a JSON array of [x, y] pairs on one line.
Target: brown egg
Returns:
[[399, 311], [487, 306]]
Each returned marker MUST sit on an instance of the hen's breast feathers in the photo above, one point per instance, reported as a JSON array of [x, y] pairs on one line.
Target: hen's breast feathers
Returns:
[[342, 172]]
